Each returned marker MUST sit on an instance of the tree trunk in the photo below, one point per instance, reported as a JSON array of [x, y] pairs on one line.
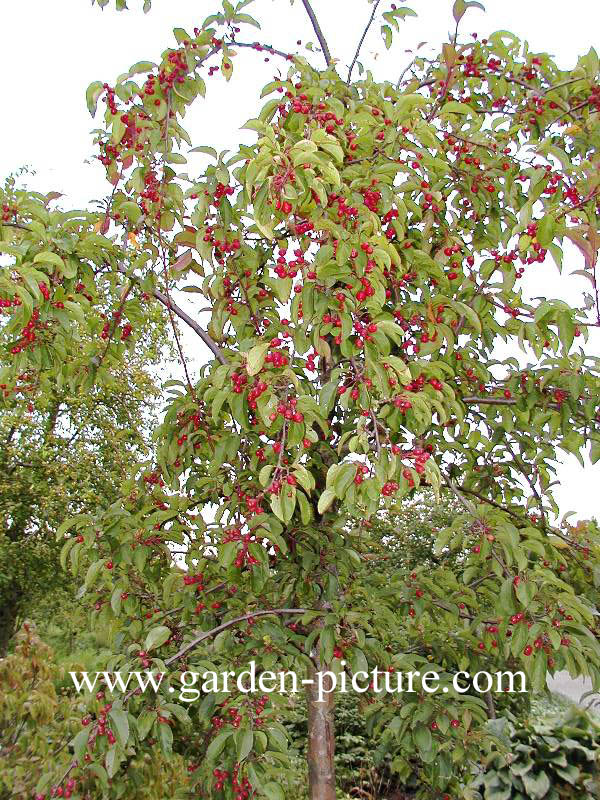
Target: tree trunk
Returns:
[[321, 742]]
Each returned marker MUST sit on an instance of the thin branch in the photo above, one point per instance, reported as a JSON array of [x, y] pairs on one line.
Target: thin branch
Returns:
[[377, 442], [114, 324], [489, 701], [69, 769], [169, 303], [362, 39], [404, 71], [523, 470], [262, 48], [464, 503], [488, 501], [171, 317], [208, 341], [318, 31], [164, 258], [230, 623], [489, 401]]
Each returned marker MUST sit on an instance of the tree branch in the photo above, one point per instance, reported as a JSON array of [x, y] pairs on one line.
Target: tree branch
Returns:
[[230, 623], [362, 39], [318, 31], [168, 303], [208, 341]]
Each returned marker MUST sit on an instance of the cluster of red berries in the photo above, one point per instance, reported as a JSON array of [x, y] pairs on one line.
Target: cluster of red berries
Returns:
[[276, 485], [8, 302], [225, 248], [418, 384], [361, 471], [259, 706], [420, 456], [372, 198], [116, 317], [344, 210], [60, 791], [283, 269], [151, 191], [178, 71], [387, 218], [402, 403], [194, 580], [355, 392], [278, 358], [253, 505], [242, 790], [111, 152], [8, 212], [243, 556], [222, 190], [310, 361], [28, 334], [153, 479], [259, 388], [239, 381], [288, 411], [300, 104]]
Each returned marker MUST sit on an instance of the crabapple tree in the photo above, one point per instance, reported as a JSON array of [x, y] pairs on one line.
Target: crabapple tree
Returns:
[[362, 263]]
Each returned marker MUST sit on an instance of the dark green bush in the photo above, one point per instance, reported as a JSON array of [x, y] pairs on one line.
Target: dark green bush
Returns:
[[555, 759]]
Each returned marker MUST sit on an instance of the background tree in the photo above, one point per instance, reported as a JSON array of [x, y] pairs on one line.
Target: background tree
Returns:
[[66, 448], [361, 265], [38, 718]]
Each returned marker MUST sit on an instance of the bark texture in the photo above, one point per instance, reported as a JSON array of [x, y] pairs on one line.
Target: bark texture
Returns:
[[321, 742]]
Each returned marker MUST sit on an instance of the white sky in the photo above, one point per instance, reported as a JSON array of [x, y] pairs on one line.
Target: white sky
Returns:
[[51, 52]]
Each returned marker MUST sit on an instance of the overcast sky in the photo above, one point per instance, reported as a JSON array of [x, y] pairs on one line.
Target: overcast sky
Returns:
[[51, 52]]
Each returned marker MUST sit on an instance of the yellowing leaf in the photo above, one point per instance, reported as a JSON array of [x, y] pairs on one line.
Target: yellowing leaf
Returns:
[[256, 358]]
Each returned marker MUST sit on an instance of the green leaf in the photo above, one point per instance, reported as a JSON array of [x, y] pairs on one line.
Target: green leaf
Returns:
[[343, 479], [273, 791], [305, 508], [118, 130], [157, 637], [536, 785], [121, 721], [227, 554], [538, 674], [566, 329], [80, 745], [244, 742], [92, 573], [47, 257], [179, 713], [144, 723], [217, 746], [422, 738], [209, 151], [545, 230], [453, 107], [387, 35], [464, 310], [165, 735], [92, 95]]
